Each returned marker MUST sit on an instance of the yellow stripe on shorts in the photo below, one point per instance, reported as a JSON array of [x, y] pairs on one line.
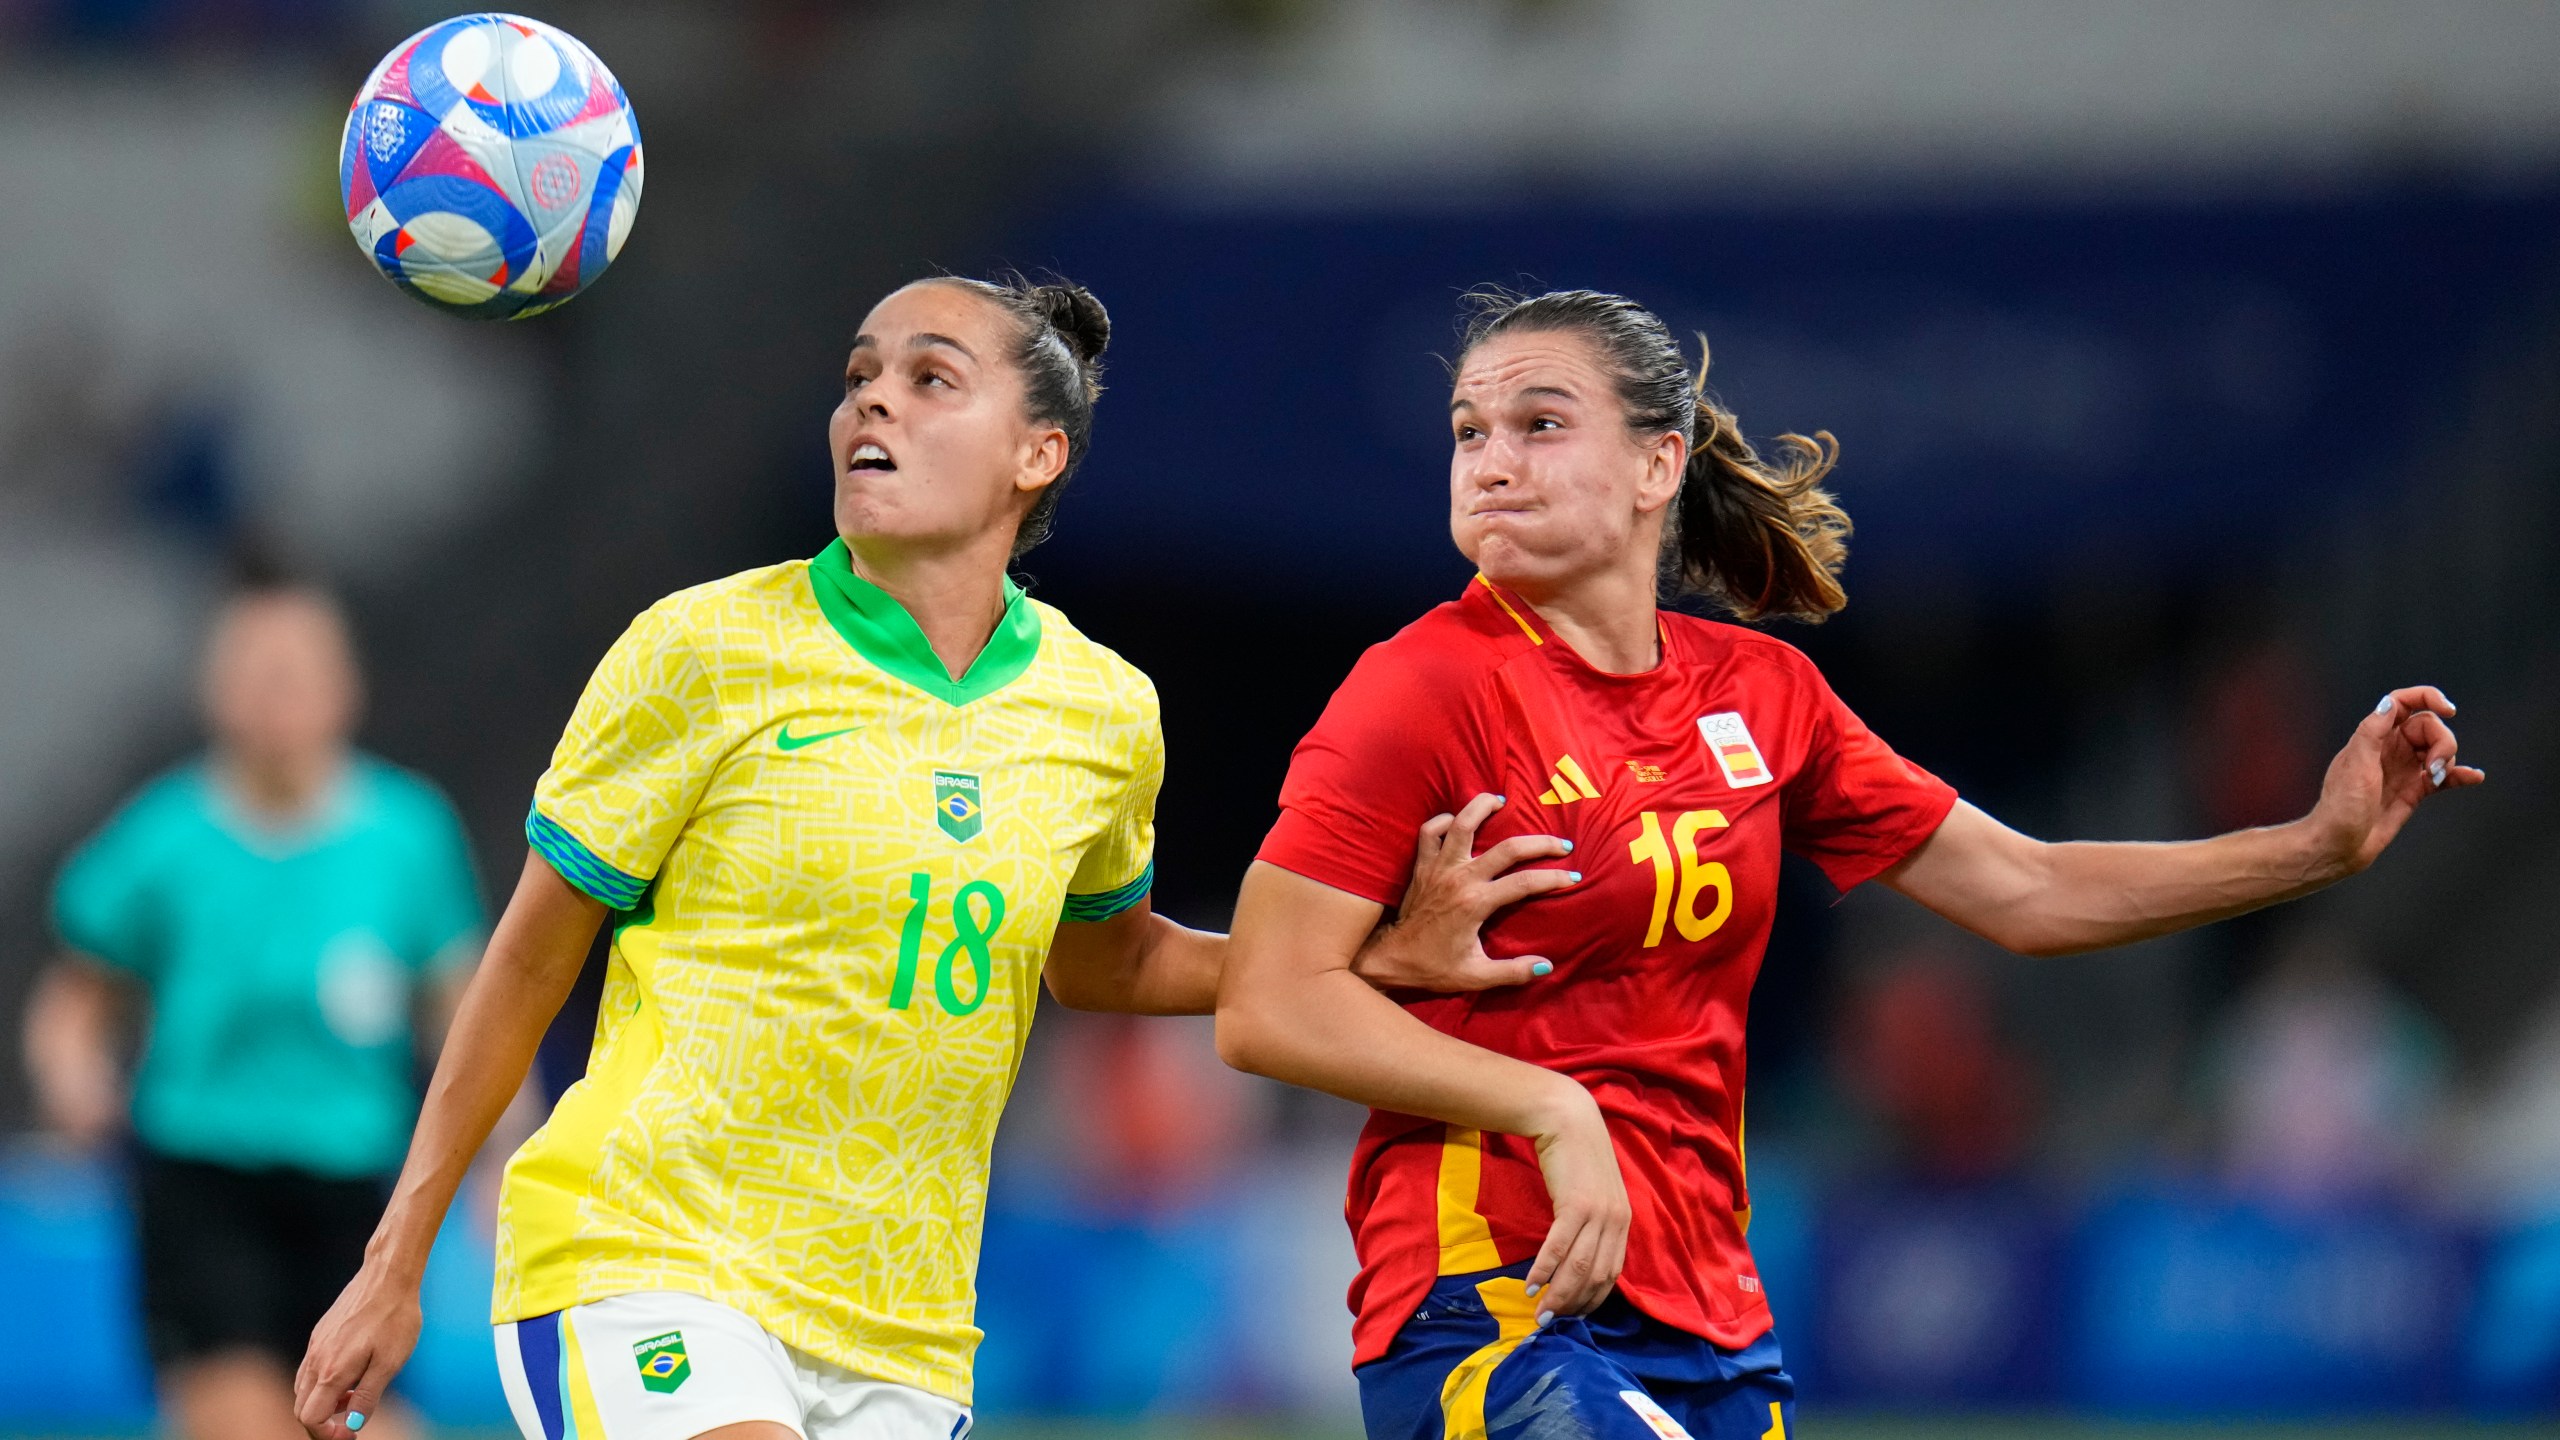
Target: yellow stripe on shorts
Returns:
[[1462, 1394], [577, 1397]]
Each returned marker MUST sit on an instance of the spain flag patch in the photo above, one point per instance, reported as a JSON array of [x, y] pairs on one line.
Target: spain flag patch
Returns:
[[1729, 740]]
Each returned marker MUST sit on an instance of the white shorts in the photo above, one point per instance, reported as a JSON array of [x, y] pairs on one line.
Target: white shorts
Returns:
[[658, 1365]]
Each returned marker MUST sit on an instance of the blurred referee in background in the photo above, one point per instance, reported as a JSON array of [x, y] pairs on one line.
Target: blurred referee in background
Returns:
[[291, 918]]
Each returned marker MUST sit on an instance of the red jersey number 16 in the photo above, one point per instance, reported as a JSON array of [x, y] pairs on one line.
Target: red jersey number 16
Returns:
[[1679, 853]]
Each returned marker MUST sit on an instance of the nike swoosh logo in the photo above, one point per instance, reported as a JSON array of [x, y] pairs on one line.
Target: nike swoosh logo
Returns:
[[789, 741]]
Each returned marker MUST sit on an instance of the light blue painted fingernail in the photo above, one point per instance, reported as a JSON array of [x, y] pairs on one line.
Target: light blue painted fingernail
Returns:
[[1574, 875], [1501, 799], [1546, 1318], [2382, 706], [355, 1419], [1542, 968], [1532, 1291], [1568, 847]]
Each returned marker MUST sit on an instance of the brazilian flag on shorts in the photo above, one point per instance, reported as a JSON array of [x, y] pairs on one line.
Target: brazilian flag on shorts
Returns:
[[663, 1364]]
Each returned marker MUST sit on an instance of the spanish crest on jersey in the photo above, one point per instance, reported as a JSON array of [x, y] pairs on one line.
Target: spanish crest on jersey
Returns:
[[1729, 740]]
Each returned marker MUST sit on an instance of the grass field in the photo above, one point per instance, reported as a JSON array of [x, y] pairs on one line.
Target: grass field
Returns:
[[1819, 1427], [1868, 1427]]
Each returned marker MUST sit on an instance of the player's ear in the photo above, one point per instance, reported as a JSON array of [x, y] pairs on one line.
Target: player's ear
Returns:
[[1044, 459], [1666, 463]]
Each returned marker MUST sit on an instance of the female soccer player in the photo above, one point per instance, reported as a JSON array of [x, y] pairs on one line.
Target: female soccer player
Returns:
[[1533, 1148], [846, 813]]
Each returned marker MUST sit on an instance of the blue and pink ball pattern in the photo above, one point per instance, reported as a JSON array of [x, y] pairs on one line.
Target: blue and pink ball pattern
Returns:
[[491, 166]]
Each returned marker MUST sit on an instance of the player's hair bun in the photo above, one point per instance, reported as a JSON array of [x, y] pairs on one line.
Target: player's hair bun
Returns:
[[1059, 334], [1078, 318]]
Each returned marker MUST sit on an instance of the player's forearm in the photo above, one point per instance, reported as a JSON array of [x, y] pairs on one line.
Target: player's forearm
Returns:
[[70, 1056], [1290, 1008], [1136, 963], [1336, 1034], [2102, 894], [532, 960], [2060, 899], [1178, 973]]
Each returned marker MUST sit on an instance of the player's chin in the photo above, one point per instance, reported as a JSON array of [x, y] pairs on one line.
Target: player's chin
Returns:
[[871, 507], [1516, 560], [1501, 543]]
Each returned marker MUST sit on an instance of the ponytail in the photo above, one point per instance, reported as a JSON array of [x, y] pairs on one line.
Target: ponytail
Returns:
[[1758, 537]]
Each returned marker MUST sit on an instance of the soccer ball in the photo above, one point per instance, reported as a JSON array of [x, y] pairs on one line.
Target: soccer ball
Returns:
[[491, 166]]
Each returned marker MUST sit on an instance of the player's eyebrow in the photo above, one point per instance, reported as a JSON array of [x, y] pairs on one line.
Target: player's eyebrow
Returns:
[[1555, 391], [922, 338]]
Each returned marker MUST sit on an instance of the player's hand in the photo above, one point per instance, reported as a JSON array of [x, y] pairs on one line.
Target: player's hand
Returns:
[[2399, 755], [1436, 942], [80, 1102], [355, 1350], [1587, 1245]]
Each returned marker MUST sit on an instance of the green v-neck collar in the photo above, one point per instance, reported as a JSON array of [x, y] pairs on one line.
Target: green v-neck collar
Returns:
[[881, 631]]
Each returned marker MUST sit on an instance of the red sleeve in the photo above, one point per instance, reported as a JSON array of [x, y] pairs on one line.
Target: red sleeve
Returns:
[[1379, 762], [1855, 807]]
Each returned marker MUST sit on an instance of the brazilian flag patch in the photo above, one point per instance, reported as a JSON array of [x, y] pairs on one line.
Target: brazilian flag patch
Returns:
[[662, 1361], [956, 806]]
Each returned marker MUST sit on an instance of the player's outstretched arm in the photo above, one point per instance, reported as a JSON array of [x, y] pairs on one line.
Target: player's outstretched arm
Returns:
[[532, 960], [1290, 1007], [2059, 899]]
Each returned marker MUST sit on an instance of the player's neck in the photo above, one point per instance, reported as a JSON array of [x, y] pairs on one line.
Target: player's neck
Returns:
[[280, 790], [955, 596], [1608, 618]]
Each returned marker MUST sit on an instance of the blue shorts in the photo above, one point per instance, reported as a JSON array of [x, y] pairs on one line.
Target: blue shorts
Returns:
[[1472, 1365]]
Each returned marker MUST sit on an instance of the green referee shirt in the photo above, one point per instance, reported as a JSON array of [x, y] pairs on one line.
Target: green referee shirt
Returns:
[[281, 964]]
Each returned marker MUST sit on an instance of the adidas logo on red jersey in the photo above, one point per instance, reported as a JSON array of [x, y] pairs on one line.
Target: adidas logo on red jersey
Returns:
[[1568, 784]]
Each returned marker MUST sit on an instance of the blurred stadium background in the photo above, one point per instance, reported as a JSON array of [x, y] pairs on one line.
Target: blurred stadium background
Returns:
[[2196, 367]]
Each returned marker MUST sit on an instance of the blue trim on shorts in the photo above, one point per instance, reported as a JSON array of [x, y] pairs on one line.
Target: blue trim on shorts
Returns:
[[538, 1346]]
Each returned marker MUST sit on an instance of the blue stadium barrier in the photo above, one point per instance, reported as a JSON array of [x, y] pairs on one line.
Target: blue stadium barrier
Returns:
[[71, 1356], [2197, 1305], [2511, 1363], [1087, 1312], [71, 1352], [2152, 1302], [1936, 1297]]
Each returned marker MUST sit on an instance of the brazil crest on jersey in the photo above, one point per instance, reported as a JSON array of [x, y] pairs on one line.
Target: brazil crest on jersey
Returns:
[[1679, 788], [837, 871]]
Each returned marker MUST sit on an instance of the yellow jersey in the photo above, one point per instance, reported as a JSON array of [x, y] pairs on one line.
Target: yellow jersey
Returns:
[[836, 872]]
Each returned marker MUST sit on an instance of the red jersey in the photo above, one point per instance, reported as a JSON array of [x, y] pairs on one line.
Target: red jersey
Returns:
[[1679, 787]]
